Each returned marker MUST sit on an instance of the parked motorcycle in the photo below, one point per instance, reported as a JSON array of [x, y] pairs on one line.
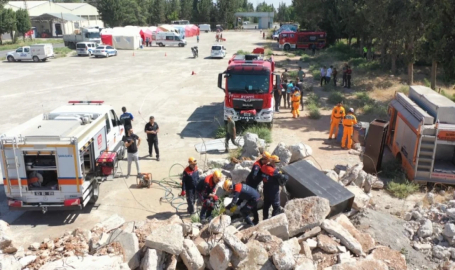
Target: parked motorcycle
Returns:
[[195, 51]]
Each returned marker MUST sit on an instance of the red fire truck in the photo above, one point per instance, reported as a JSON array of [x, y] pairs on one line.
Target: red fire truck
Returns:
[[302, 40], [248, 89]]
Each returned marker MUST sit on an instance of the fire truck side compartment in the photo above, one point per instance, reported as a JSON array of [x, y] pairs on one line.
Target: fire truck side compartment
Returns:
[[305, 180], [438, 106]]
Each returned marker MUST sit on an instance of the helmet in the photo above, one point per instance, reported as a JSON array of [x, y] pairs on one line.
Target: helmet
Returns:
[[217, 175], [227, 185], [351, 110], [266, 155], [192, 161], [275, 158]]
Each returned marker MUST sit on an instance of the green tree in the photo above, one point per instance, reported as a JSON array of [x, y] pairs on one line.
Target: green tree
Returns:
[[133, 13], [186, 11], [23, 22], [111, 12], [204, 8], [157, 13], [8, 23]]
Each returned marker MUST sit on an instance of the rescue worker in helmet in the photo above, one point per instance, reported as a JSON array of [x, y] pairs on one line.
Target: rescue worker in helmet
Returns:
[[190, 178], [295, 98], [348, 128], [273, 179], [246, 193], [255, 177], [35, 179], [206, 191]]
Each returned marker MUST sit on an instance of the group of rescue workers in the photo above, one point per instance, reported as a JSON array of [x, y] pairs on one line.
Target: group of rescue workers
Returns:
[[264, 170]]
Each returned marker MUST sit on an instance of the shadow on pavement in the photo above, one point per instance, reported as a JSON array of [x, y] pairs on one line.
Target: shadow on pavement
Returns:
[[203, 121], [162, 215]]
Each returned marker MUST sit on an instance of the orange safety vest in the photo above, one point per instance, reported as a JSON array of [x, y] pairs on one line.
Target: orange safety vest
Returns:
[[296, 97], [338, 112], [349, 120], [33, 180]]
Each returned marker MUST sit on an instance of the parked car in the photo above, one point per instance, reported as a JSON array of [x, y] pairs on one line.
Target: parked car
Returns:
[[104, 50], [218, 51], [38, 52], [85, 48], [205, 27]]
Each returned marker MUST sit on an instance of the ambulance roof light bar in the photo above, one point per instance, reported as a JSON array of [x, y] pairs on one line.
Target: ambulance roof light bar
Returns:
[[87, 102]]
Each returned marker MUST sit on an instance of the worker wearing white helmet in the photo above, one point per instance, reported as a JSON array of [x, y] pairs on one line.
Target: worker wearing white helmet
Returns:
[[348, 128]]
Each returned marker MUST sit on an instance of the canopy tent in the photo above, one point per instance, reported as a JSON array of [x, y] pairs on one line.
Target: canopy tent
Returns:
[[196, 30], [126, 38], [145, 33], [154, 29], [167, 28], [188, 31], [106, 36]]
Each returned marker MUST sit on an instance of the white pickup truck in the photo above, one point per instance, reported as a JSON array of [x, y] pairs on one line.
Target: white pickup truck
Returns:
[[38, 52]]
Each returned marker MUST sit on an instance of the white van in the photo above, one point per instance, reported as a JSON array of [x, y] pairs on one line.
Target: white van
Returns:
[[169, 39], [38, 52], [205, 27], [218, 50], [85, 48]]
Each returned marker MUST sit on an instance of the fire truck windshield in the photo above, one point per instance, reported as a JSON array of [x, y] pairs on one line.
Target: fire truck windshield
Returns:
[[248, 83]]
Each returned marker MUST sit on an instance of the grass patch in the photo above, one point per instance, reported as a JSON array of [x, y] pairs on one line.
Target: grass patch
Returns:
[[242, 52], [335, 97], [342, 51], [391, 169], [314, 70], [402, 188], [378, 110], [195, 218], [305, 58], [8, 45], [329, 87], [269, 52], [404, 89], [451, 97], [262, 131], [61, 52], [220, 132], [314, 112], [426, 82], [293, 75], [235, 153]]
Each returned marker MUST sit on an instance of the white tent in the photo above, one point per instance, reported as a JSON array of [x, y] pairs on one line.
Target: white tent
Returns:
[[126, 38]]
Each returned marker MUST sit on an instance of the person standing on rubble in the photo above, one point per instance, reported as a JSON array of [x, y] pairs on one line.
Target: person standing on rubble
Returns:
[[190, 179], [243, 193], [206, 192], [272, 178], [348, 128]]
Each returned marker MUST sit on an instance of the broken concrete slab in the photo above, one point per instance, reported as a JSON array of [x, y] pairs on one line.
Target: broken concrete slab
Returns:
[[252, 145], [333, 175], [351, 174], [392, 258], [305, 214], [130, 245], [283, 153], [220, 256], [8, 262], [237, 246], [360, 180], [217, 163], [364, 239], [312, 243], [153, 260], [168, 238], [256, 258], [310, 233], [283, 259], [306, 250], [323, 259], [345, 237], [85, 262], [113, 222], [299, 151], [191, 256], [247, 163], [263, 236], [219, 223], [239, 173], [361, 199], [277, 225], [26, 260], [367, 264], [304, 263], [345, 257], [426, 228], [327, 244]]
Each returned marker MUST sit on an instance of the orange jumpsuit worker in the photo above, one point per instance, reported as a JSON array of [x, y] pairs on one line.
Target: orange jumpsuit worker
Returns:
[[295, 99], [338, 114], [348, 128]]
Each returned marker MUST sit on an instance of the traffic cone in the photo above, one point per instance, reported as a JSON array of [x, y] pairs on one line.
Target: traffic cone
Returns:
[[193, 73], [133, 53], [165, 54]]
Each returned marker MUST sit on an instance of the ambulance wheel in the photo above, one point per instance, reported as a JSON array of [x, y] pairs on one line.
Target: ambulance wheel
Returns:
[[35, 59], [10, 59], [95, 192]]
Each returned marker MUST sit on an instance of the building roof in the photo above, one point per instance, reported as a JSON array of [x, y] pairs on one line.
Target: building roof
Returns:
[[37, 8], [30, 4], [59, 16], [71, 6]]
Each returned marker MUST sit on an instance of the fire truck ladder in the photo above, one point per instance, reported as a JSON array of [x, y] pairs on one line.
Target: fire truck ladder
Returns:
[[13, 163], [426, 155]]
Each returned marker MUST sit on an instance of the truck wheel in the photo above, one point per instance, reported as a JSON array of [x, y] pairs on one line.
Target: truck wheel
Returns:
[[10, 59], [287, 47], [35, 59], [95, 192]]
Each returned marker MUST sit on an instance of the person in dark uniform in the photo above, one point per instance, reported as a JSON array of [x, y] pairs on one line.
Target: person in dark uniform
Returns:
[[272, 179], [127, 119], [255, 177], [190, 178], [152, 129], [206, 192], [277, 97], [243, 193]]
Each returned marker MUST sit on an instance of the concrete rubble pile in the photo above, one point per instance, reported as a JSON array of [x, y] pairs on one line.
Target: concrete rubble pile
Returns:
[[431, 228]]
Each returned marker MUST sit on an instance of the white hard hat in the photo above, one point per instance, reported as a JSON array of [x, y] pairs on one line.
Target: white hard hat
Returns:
[[351, 110]]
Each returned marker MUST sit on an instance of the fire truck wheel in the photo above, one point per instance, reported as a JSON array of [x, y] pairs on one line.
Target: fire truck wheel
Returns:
[[95, 192], [287, 47]]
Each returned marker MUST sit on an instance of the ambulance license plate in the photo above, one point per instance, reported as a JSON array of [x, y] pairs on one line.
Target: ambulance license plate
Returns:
[[44, 193]]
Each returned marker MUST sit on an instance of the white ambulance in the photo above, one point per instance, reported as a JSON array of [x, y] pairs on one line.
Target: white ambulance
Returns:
[[56, 160]]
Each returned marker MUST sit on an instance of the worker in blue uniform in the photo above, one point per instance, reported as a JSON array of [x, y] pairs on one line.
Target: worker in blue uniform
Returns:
[[246, 193], [255, 177], [190, 178], [273, 179], [206, 191]]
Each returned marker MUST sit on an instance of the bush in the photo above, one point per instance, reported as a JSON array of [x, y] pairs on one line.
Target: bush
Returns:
[[377, 109], [448, 95], [236, 153], [195, 218], [404, 89], [263, 132], [268, 52], [242, 52], [305, 58], [314, 111], [335, 97], [342, 51], [402, 188], [391, 169], [363, 99], [314, 70], [313, 99], [220, 132], [426, 82]]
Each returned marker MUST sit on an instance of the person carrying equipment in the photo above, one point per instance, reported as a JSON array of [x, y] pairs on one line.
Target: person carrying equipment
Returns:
[[254, 178], [338, 114], [273, 179], [295, 98], [243, 193], [190, 179], [348, 128], [206, 193]]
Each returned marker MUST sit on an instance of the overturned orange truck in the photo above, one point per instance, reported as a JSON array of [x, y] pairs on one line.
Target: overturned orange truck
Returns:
[[421, 135]]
